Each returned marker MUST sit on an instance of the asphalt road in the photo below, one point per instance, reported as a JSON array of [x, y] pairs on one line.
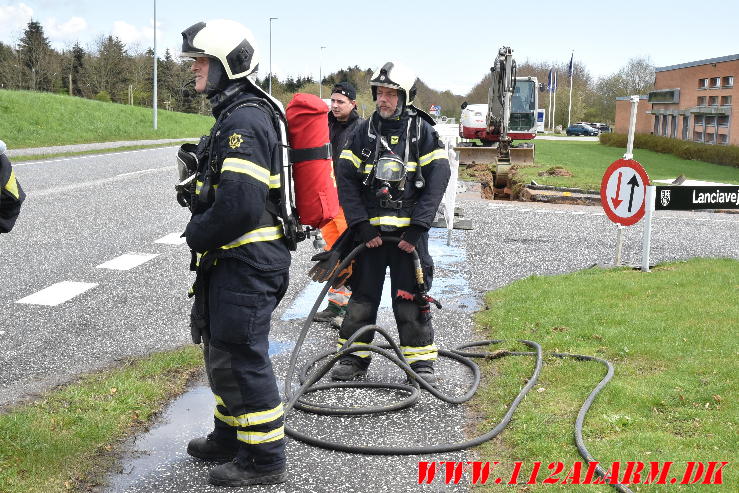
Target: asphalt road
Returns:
[[85, 211]]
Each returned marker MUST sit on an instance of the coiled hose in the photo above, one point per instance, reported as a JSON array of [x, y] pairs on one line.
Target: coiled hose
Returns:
[[391, 351]]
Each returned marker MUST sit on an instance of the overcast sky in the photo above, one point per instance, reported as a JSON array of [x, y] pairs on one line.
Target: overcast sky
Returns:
[[450, 44]]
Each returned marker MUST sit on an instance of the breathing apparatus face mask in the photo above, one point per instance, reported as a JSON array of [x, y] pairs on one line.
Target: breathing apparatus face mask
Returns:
[[390, 172]]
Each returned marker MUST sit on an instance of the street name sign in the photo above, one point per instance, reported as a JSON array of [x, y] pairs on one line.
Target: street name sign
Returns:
[[688, 198], [623, 190]]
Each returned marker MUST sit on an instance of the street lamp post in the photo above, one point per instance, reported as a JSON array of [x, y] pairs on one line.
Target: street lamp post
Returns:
[[320, 74], [154, 101], [270, 53]]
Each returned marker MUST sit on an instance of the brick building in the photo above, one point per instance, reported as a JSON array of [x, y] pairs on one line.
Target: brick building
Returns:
[[690, 101]]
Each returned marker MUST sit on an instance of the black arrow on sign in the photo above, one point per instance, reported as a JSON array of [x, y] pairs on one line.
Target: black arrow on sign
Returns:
[[634, 183]]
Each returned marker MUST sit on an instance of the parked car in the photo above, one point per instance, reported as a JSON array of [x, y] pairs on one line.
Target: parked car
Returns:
[[602, 128], [581, 129]]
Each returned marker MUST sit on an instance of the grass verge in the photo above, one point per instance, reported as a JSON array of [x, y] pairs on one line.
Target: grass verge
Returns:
[[587, 161], [36, 119], [671, 335], [65, 440], [42, 157]]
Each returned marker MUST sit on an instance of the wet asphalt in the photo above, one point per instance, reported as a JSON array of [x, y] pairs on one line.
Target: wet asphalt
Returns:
[[84, 211]]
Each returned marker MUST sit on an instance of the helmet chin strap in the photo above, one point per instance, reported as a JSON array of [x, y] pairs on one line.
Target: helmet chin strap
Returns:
[[226, 92]]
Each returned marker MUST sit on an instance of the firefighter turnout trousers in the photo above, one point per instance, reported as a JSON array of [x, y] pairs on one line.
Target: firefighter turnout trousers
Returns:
[[415, 329], [239, 301]]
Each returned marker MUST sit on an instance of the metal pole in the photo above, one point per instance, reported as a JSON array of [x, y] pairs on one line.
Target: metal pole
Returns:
[[619, 243], [647, 235], [155, 64], [320, 74], [632, 128], [270, 53], [569, 109], [554, 102]]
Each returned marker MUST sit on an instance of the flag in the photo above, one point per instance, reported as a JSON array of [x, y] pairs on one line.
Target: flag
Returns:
[[569, 71], [552, 81]]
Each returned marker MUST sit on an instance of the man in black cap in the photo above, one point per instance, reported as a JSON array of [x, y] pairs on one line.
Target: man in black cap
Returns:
[[342, 119]]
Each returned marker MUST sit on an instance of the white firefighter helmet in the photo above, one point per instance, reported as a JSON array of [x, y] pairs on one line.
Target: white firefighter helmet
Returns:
[[394, 76], [227, 41]]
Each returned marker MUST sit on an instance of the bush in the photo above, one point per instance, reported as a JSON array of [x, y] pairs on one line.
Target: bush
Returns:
[[717, 154], [103, 96]]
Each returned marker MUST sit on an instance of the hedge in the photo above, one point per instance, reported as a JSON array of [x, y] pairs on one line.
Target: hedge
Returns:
[[717, 154]]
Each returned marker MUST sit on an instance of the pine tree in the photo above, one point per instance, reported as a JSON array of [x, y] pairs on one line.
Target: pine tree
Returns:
[[35, 52]]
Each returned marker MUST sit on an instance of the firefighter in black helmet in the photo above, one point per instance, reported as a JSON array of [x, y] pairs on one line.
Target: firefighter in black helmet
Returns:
[[391, 177], [239, 254]]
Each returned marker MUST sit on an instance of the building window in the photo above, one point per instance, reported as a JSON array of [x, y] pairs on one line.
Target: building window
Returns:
[[728, 81], [698, 136], [713, 101], [725, 100], [701, 100], [723, 139], [699, 119], [715, 82], [702, 83], [710, 121], [723, 121]]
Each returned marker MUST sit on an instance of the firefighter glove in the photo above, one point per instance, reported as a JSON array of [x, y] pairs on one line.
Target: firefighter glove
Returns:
[[327, 264]]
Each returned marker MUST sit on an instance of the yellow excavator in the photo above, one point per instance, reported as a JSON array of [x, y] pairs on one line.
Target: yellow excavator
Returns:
[[510, 115]]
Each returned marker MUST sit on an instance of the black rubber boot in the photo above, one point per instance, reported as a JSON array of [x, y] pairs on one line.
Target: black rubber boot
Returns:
[[208, 448], [425, 370], [350, 368], [234, 474]]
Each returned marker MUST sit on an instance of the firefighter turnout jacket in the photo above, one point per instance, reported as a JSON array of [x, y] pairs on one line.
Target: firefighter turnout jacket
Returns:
[[238, 188], [11, 195], [427, 164]]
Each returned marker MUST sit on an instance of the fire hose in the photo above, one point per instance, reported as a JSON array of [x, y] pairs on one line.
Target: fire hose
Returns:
[[391, 351]]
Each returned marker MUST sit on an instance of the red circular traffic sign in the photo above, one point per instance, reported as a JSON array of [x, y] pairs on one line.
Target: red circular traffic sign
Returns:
[[623, 191]]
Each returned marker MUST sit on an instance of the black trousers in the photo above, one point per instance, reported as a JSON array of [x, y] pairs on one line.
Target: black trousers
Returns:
[[415, 329], [240, 302]]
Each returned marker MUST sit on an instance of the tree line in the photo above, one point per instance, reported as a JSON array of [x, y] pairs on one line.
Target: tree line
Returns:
[[109, 71]]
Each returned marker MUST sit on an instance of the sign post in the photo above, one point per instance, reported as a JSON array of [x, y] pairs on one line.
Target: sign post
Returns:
[[647, 234], [622, 195]]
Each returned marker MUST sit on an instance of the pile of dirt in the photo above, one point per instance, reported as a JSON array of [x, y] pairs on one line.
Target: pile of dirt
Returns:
[[481, 172], [556, 171]]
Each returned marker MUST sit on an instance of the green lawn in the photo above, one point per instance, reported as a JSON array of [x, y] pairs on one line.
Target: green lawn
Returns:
[[587, 161], [66, 440], [672, 336], [36, 119]]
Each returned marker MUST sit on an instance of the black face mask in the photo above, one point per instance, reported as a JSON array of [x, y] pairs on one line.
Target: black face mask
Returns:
[[217, 78]]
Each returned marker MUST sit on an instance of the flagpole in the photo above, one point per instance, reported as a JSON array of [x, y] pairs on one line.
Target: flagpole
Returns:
[[554, 102], [550, 111], [569, 109]]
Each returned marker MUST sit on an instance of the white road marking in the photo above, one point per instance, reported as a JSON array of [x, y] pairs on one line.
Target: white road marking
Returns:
[[140, 172], [171, 239], [127, 261], [578, 213], [88, 156], [87, 184], [57, 293]]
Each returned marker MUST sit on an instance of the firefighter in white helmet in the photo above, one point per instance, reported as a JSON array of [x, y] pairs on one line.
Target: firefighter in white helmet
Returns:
[[391, 177], [239, 254]]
